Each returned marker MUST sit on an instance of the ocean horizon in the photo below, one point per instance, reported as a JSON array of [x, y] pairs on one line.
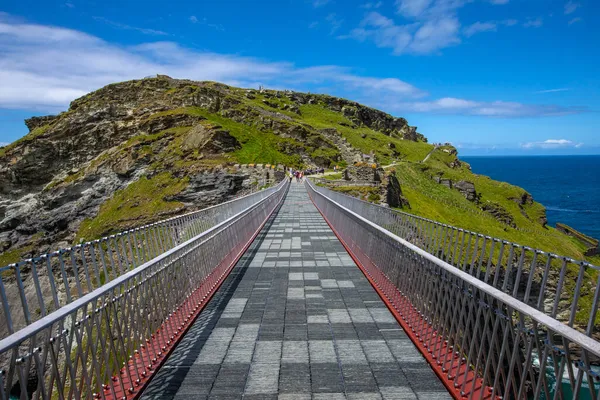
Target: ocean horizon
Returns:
[[568, 186]]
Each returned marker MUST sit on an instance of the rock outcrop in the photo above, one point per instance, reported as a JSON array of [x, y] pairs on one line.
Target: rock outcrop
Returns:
[[188, 133], [593, 245], [467, 189], [394, 195], [499, 212]]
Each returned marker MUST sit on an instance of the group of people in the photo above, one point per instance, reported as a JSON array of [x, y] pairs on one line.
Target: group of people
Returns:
[[296, 174], [299, 175]]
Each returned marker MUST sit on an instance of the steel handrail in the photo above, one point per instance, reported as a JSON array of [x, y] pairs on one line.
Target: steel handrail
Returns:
[[59, 277], [561, 287], [138, 316], [481, 341], [570, 333]]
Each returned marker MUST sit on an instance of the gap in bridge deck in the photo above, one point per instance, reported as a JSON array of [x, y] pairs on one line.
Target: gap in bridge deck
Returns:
[[296, 319]]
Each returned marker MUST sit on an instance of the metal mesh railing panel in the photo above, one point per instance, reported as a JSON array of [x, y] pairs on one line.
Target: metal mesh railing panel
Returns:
[[482, 341], [33, 288], [106, 343], [561, 287]]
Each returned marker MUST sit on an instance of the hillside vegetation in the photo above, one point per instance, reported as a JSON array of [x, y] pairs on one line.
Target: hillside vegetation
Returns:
[[139, 151], [497, 209]]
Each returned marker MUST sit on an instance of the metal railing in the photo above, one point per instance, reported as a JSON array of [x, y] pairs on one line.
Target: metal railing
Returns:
[[338, 183], [561, 287], [482, 342], [107, 342], [33, 288]]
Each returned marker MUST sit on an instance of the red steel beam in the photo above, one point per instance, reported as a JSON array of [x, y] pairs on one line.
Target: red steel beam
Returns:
[[449, 367]]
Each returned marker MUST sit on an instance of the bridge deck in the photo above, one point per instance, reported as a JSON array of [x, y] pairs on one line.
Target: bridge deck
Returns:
[[296, 319]]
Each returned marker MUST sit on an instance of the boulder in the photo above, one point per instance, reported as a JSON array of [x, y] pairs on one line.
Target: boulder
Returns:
[[467, 189], [360, 173], [212, 140], [499, 212], [443, 181], [36, 122], [455, 164], [163, 122], [394, 195], [292, 108], [348, 111]]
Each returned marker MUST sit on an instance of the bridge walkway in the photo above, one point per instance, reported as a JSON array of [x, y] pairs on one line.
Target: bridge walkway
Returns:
[[296, 319]]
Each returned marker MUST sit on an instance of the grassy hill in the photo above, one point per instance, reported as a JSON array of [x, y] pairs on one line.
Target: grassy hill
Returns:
[[138, 151], [501, 210]]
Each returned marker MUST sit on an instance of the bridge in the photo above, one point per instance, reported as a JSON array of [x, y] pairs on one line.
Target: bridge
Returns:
[[299, 292]]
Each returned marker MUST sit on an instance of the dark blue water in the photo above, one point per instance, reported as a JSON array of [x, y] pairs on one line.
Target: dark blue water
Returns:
[[569, 186]]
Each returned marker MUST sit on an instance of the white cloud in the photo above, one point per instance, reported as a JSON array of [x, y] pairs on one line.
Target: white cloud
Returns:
[[504, 109], [432, 26], [416, 38], [534, 23], [2, 144], [499, 2], [195, 20], [552, 90], [488, 26], [76, 63], [372, 6], [571, 7], [551, 144], [575, 20], [436, 34], [320, 3], [412, 8], [145, 31], [478, 27], [334, 22]]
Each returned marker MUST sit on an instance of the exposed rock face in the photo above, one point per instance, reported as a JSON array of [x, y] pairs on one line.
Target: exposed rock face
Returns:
[[160, 123], [348, 153], [360, 173], [467, 189], [593, 245], [211, 140], [72, 163], [443, 181], [394, 193], [363, 116], [455, 164], [499, 212], [35, 122]]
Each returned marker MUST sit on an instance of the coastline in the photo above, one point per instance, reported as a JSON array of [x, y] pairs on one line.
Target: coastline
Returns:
[[566, 185]]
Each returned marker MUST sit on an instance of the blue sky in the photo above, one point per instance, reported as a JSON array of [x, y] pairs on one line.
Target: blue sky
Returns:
[[490, 76]]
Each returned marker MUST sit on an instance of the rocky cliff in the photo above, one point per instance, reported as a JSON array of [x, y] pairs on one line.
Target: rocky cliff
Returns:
[[170, 146]]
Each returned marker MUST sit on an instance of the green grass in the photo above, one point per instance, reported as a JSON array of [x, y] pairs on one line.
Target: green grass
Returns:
[[12, 256], [257, 146], [321, 117], [40, 130], [434, 201], [368, 193], [333, 177], [141, 202]]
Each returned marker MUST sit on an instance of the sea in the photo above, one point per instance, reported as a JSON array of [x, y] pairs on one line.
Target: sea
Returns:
[[569, 186]]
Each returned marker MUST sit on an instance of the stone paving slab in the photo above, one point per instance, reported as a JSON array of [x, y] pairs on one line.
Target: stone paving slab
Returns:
[[297, 320]]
